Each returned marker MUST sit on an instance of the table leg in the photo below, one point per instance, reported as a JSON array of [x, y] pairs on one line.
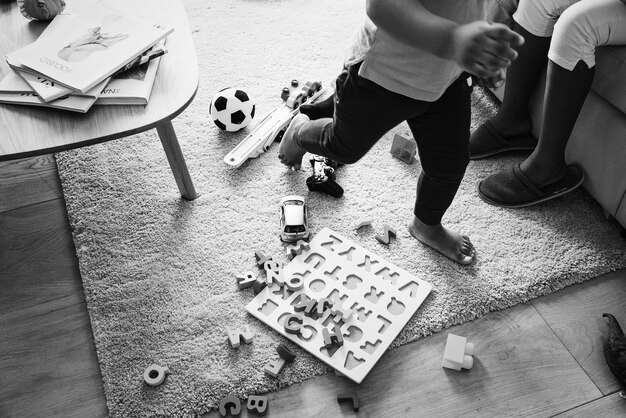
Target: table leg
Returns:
[[176, 159]]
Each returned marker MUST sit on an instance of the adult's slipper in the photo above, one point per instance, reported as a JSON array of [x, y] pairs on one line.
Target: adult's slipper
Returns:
[[512, 189], [486, 141]]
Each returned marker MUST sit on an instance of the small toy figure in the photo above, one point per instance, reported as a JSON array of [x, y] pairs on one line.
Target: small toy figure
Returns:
[[323, 178], [40, 9]]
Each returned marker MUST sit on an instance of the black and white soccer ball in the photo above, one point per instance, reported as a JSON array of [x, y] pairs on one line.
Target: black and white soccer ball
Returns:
[[232, 109]]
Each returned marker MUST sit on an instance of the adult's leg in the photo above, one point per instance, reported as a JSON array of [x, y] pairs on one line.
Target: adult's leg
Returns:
[[510, 128], [545, 175], [442, 135], [579, 31]]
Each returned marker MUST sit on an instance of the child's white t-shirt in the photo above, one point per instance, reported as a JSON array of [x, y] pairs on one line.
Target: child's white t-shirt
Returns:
[[407, 70]]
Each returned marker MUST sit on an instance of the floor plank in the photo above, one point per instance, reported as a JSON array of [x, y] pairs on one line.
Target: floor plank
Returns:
[[575, 315], [519, 368], [37, 256], [27, 181], [48, 364], [608, 406]]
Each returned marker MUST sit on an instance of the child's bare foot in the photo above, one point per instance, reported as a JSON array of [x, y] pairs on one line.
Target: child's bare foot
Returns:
[[289, 152], [453, 245]]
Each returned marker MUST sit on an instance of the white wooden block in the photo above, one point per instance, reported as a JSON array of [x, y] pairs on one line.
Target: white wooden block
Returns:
[[458, 353], [274, 367]]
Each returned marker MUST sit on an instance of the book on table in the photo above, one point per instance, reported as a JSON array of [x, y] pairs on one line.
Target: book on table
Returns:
[[14, 90], [92, 46]]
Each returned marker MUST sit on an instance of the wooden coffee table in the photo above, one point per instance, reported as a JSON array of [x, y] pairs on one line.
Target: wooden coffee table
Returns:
[[28, 131]]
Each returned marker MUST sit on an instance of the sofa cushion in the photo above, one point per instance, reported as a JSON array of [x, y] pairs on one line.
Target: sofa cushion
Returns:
[[609, 81]]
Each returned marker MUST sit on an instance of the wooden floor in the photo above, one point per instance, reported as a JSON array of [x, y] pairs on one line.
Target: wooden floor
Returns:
[[542, 358]]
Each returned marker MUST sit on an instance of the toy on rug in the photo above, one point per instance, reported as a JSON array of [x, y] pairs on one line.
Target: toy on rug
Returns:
[[232, 109], [323, 178], [293, 219], [272, 127], [615, 350], [40, 9], [154, 374], [351, 397], [340, 302], [403, 148], [458, 353]]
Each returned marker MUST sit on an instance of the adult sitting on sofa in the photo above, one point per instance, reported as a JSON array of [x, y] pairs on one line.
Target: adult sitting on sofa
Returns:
[[568, 33]]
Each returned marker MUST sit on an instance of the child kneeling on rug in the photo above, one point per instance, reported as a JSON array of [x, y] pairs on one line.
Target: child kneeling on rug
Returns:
[[411, 63]]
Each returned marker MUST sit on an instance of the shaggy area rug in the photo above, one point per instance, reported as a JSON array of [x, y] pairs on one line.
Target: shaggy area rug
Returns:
[[159, 272]]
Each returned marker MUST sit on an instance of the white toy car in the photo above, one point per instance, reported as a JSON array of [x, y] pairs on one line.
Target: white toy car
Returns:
[[293, 219]]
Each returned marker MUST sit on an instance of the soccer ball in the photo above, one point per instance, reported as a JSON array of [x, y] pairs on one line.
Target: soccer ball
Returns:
[[231, 109]]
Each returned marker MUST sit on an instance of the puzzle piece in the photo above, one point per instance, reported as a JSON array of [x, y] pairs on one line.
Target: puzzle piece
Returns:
[[154, 374], [458, 353], [363, 223], [387, 235], [297, 249], [336, 338], [246, 280], [349, 397], [274, 367], [261, 258], [235, 336], [257, 404], [285, 353], [233, 403]]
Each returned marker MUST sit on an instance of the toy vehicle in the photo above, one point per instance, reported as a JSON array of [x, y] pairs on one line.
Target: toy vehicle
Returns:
[[272, 127], [293, 219], [323, 178]]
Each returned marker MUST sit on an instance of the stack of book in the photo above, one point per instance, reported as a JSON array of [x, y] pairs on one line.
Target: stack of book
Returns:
[[101, 56]]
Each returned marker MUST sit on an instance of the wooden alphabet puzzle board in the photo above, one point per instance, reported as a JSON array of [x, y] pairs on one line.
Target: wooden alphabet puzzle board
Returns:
[[382, 297]]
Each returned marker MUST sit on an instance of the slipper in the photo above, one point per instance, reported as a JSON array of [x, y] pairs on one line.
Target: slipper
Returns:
[[486, 141], [512, 189]]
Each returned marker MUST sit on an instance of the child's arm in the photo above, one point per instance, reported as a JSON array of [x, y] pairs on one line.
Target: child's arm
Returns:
[[480, 47]]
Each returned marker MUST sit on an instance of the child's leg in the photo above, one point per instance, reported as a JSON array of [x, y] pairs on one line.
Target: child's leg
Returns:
[[442, 134], [326, 107], [364, 112]]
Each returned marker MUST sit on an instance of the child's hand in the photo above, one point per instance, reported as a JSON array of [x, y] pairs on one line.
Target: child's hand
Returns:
[[484, 49]]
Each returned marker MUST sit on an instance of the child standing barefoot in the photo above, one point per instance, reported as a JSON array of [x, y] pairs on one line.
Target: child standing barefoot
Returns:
[[410, 63]]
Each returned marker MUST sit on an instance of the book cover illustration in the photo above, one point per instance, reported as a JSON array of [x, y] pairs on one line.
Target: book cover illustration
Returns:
[[98, 42]]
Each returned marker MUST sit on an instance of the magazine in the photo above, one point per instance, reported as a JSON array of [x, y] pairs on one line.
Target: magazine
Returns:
[[133, 86], [92, 46], [14, 90]]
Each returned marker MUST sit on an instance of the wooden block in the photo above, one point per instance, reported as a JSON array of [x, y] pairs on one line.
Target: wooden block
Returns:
[[258, 285], [246, 280], [235, 336], [154, 374], [458, 353], [335, 338], [261, 258], [257, 404], [293, 324], [297, 249], [363, 223], [232, 403], [387, 235], [274, 367], [349, 397], [285, 353]]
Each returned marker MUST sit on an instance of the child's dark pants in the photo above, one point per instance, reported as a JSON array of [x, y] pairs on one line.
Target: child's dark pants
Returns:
[[365, 111]]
